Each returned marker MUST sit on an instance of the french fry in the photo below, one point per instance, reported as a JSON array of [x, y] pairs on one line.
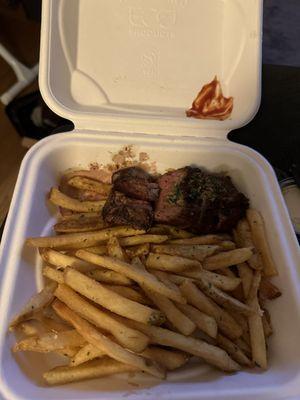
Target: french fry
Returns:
[[246, 275], [267, 327], [164, 262], [125, 336], [260, 241], [267, 290], [114, 249], [80, 182], [86, 225], [257, 336], [90, 370], [62, 261], [86, 353], [110, 300], [205, 239], [60, 199], [101, 249], [225, 322], [169, 359], [135, 273], [76, 216], [244, 346], [220, 281], [233, 350], [227, 259], [223, 298], [35, 304], [209, 353], [171, 231], [32, 328], [138, 250], [53, 274], [179, 320], [50, 342], [164, 278], [103, 343], [244, 239], [195, 252], [226, 245], [81, 240], [109, 277], [140, 239], [204, 322], [129, 293]]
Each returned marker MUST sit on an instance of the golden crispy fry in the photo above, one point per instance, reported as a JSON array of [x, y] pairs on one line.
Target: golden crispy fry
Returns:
[[33, 328], [257, 336], [35, 304], [204, 322], [114, 249], [137, 251], [205, 239], [127, 337], [135, 273], [101, 249], [164, 278], [98, 293], [171, 231], [140, 239], [164, 262], [130, 293], [211, 354], [90, 370], [86, 225], [225, 322], [76, 216], [267, 290], [220, 281], [179, 320], [109, 277], [80, 182], [103, 343], [169, 359], [50, 342], [195, 252], [80, 240], [53, 274], [244, 239], [60, 199], [227, 258], [86, 353], [62, 261], [259, 236], [233, 350], [223, 298], [246, 275]]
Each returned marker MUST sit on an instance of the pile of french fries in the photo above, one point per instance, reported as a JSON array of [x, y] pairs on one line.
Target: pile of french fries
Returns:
[[117, 299]]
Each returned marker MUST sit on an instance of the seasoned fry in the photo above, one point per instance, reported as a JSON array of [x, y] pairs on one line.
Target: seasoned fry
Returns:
[[140, 239], [137, 251], [267, 290], [166, 262], [80, 182], [259, 236], [220, 281], [256, 330], [53, 274], [127, 337], [80, 240], [35, 303], [130, 293], [86, 225], [178, 319], [164, 278], [169, 359], [223, 298], [60, 199], [204, 322], [209, 353], [244, 239], [101, 249], [98, 293], [90, 370], [135, 273], [233, 350], [114, 249], [109, 277], [171, 231], [62, 261], [225, 322], [50, 342], [227, 258], [205, 239], [76, 216], [103, 343], [86, 353], [246, 275], [195, 252]]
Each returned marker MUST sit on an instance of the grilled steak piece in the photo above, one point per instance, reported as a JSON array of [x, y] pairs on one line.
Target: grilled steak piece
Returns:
[[199, 201], [122, 210], [136, 183]]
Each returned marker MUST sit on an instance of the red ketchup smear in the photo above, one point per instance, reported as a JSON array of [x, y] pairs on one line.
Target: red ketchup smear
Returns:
[[210, 103]]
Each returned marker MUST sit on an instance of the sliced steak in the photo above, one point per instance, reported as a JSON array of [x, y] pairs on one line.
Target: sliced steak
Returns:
[[136, 183], [199, 201], [122, 210]]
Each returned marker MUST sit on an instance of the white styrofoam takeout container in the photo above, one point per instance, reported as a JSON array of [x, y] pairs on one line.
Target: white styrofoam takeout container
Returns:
[[124, 72]]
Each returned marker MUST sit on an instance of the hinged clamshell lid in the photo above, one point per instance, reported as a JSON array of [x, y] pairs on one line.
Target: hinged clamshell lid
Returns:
[[137, 65]]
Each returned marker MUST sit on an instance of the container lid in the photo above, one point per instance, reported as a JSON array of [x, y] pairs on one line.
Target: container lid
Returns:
[[137, 66]]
